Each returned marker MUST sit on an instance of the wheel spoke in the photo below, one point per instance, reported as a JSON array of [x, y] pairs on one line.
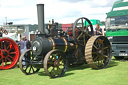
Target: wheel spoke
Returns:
[[88, 34], [49, 67], [94, 53], [30, 68], [105, 48], [5, 61], [26, 67], [59, 58], [33, 69], [82, 24], [101, 43], [1, 58], [99, 63], [102, 62], [2, 62], [105, 56], [84, 39], [51, 63], [4, 44], [1, 45], [9, 60], [95, 58], [61, 64], [95, 47], [79, 29], [10, 47], [10, 56], [12, 53], [52, 70], [58, 71], [79, 36]]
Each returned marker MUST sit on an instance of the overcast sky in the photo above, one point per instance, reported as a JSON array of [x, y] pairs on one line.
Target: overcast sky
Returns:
[[62, 11]]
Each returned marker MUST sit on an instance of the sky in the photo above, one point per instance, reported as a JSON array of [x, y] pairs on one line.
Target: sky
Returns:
[[62, 11]]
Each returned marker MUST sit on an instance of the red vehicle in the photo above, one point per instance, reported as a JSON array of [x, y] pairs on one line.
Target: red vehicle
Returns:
[[9, 51]]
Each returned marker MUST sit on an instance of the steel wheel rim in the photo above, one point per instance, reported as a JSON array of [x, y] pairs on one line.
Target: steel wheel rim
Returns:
[[82, 30], [98, 52], [9, 53], [24, 63], [55, 64]]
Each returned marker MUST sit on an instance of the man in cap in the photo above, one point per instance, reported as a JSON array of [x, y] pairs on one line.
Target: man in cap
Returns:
[[24, 44]]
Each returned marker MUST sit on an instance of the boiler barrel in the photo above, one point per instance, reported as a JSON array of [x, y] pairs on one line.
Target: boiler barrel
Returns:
[[62, 44], [43, 45]]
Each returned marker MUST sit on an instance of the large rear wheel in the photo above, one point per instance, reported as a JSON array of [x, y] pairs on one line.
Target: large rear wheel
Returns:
[[98, 52]]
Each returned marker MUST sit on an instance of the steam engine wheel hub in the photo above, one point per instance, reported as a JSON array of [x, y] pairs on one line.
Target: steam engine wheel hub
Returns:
[[56, 63], [5, 53]]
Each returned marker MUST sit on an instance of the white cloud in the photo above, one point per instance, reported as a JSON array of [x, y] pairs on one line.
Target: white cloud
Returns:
[[12, 3], [24, 11]]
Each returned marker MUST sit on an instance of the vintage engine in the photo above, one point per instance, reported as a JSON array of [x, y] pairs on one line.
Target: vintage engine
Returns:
[[54, 49]]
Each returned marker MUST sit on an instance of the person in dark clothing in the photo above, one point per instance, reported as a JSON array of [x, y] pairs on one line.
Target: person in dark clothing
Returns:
[[98, 30], [24, 44]]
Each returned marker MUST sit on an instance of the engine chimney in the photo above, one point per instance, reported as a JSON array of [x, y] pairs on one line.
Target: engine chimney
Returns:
[[40, 13]]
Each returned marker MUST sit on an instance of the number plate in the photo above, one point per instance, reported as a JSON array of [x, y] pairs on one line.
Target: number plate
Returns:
[[123, 54]]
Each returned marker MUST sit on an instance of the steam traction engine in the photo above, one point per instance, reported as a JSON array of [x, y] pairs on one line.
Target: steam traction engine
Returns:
[[9, 51], [55, 49]]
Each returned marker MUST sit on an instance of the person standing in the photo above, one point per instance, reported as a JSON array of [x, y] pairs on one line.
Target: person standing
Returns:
[[24, 44], [98, 30]]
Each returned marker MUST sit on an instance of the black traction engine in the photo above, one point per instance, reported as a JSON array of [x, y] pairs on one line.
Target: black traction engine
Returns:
[[55, 50]]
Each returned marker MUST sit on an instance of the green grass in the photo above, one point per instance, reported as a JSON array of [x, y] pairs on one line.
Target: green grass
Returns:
[[115, 74]]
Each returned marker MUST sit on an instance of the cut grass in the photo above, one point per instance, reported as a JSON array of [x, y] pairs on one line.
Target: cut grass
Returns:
[[115, 74]]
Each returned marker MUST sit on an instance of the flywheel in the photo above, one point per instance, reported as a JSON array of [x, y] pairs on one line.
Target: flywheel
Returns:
[[98, 52], [82, 31]]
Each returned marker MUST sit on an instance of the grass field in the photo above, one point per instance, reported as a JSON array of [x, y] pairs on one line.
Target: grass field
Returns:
[[115, 74]]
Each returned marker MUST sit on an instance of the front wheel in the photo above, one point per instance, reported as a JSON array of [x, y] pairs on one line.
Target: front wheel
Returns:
[[25, 62], [55, 63]]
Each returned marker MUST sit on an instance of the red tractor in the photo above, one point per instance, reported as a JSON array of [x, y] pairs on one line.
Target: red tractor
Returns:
[[9, 51]]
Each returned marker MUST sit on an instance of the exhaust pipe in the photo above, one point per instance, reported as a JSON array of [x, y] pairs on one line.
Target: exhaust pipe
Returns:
[[40, 13]]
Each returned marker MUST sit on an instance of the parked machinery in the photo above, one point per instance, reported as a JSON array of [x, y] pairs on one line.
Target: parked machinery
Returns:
[[9, 51], [54, 50]]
